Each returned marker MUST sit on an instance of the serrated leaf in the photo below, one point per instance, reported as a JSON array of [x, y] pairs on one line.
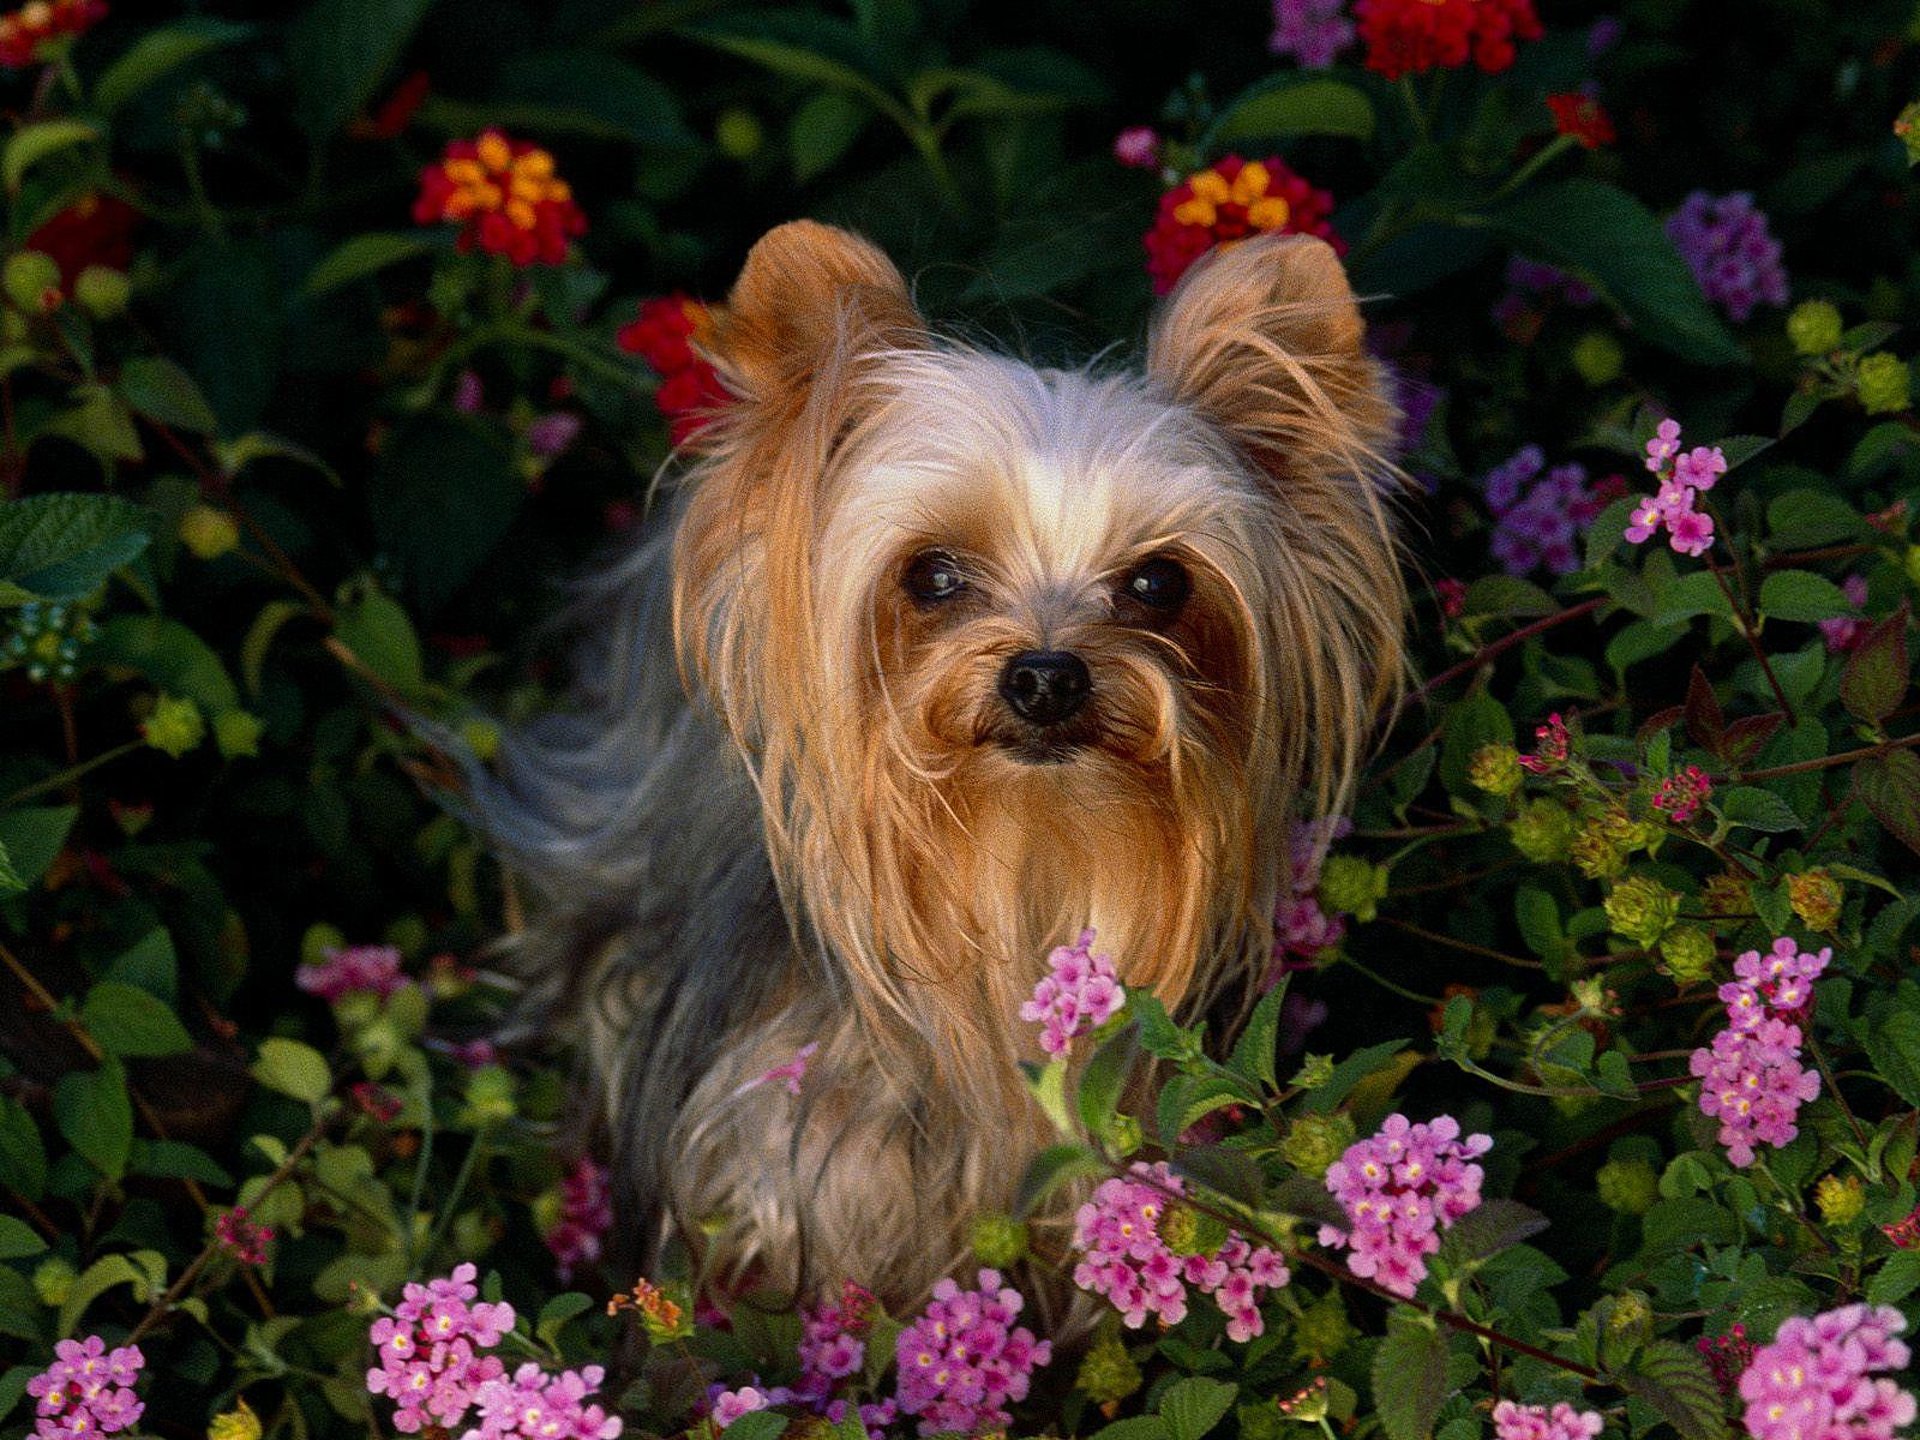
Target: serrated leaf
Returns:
[[64, 546], [1758, 809], [31, 837], [1104, 1081], [1879, 670], [172, 656], [156, 388], [1231, 1173], [1410, 1377], [1053, 1167], [381, 636], [1675, 1382], [1801, 595], [1255, 1053], [557, 1312], [129, 1022], [145, 1271], [1193, 1406], [1349, 1073], [23, 1154], [1893, 1044], [1134, 1427], [1895, 1280], [1803, 519], [1492, 1226], [1508, 595], [92, 1110], [759, 1425], [1889, 786]]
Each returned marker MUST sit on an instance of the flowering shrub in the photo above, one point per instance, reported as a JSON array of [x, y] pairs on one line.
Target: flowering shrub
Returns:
[[1581, 1095]]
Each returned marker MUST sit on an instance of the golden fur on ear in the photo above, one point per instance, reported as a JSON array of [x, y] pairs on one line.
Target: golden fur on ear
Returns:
[[1264, 338]]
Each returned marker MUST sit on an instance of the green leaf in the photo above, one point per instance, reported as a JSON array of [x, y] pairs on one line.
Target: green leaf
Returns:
[[1349, 1073], [1104, 1081], [11, 882], [1193, 1406], [818, 49], [1134, 1427], [23, 1154], [1802, 519], [822, 130], [1492, 1226], [100, 422], [1053, 1167], [366, 255], [339, 51], [376, 629], [760, 1425], [129, 1022], [236, 455], [176, 1160], [1758, 809], [1898, 1278], [1801, 595], [160, 390], [157, 53], [555, 1314], [32, 835], [601, 88], [172, 657], [1300, 107], [1410, 1377], [1232, 1173], [150, 963], [1614, 243], [18, 1239], [1674, 1380], [1608, 532], [260, 636], [1893, 1044], [293, 1069], [1255, 1051], [1508, 595], [64, 546], [1889, 786], [443, 495], [33, 143], [1538, 915], [92, 1110], [1476, 721], [1879, 670], [145, 1271]]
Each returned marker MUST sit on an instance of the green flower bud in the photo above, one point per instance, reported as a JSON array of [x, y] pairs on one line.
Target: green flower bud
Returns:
[[1353, 886], [1107, 1372], [102, 292], [1642, 910], [1630, 1318], [1841, 1202], [1884, 383], [32, 281], [1816, 898], [1543, 831], [174, 727], [489, 1097], [1188, 1232], [1125, 1135], [738, 133], [1315, 1071], [1814, 327], [999, 1240], [53, 1281], [237, 733], [208, 532], [1629, 1187], [318, 940], [1496, 769], [1687, 953], [1598, 358], [1313, 1142]]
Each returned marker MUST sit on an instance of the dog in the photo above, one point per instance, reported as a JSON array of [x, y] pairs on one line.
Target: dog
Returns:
[[936, 658]]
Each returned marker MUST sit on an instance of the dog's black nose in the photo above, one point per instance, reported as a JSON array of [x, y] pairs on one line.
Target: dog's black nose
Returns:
[[1045, 686]]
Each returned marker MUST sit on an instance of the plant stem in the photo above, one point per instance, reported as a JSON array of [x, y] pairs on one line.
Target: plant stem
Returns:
[[72, 773], [1753, 640], [1437, 938], [1540, 159], [1492, 651], [1828, 762]]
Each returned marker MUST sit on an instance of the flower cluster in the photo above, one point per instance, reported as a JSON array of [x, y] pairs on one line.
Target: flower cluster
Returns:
[[1126, 1256], [1137, 147], [664, 334], [95, 231], [504, 196], [1537, 518], [1554, 745], [1681, 795], [47, 641], [1078, 993], [1817, 1380], [243, 1237], [1843, 633], [353, 970], [730, 1405], [87, 1391], [1582, 117], [1726, 243], [1727, 1356], [1228, 201], [586, 1214], [1536, 1422], [34, 25], [833, 1342], [1312, 31], [1408, 37], [1301, 929], [1751, 1078], [963, 1361], [1400, 1189], [1684, 475], [429, 1366], [539, 1406]]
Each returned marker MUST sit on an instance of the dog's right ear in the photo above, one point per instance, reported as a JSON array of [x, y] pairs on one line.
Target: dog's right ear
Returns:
[[810, 299]]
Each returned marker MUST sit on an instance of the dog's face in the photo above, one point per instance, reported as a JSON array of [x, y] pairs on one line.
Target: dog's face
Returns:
[[1013, 650]]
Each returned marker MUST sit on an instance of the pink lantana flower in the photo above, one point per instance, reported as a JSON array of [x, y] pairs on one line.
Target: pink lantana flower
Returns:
[[1683, 475], [1079, 992]]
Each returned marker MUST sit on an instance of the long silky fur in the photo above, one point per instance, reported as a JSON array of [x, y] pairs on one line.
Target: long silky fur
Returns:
[[801, 832]]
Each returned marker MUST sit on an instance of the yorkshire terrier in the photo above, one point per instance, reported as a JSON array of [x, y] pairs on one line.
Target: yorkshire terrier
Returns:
[[976, 655]]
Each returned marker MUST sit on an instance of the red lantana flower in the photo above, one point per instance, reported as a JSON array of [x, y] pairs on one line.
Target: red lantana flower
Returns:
[[1229, 201], [24, 31], [504, 196], [1408, 37], [664, 334], [1582, 117], [94, 230]]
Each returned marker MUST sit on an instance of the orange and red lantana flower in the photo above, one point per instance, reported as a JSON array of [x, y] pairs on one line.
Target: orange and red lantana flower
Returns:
[[24, 31], [664, 334], [1229, 201], [1408, 37], [504, 196], [1582, 117]]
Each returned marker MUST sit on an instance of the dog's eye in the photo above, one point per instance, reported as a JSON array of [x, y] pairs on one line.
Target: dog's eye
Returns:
[[933, 576], [1158, 584]]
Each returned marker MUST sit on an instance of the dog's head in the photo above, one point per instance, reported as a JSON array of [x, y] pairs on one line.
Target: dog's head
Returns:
[[1016, 650]]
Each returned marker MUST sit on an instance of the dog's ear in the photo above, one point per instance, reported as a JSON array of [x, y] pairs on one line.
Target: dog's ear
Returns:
[[1264, 339], [810, 298]]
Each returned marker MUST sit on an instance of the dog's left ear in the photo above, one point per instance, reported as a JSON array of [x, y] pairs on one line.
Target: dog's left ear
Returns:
[[810, 298], [1264, 339]]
